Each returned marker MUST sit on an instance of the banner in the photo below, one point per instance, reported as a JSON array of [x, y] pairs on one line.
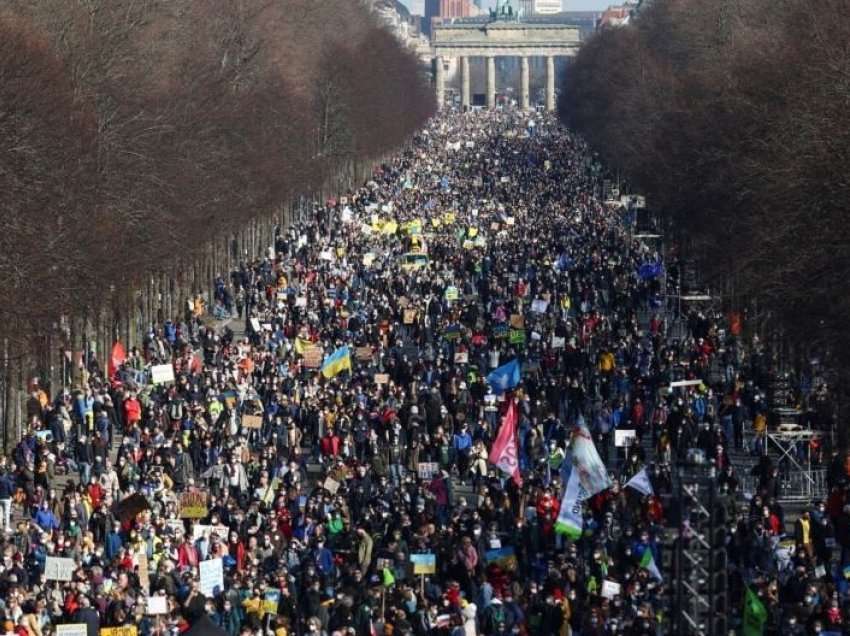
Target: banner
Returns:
[[71, 629], [505, 558], [570, 520]]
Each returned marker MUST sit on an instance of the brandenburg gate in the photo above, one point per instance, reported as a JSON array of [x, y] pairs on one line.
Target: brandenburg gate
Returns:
[[464, 40]]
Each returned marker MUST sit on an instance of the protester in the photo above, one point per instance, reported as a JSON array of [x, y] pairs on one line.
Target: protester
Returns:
[[414, 432]]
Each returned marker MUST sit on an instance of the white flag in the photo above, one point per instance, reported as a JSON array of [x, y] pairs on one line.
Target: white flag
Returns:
[[641, 483]]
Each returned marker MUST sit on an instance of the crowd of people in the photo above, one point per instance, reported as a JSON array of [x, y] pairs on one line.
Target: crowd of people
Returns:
[[329, 460]]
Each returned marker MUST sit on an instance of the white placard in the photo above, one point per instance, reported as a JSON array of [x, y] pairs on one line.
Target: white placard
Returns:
[[255, 325], [539, 306], [157, 605], [200, 530], [59, 568], [71, 629], [162, 373], [212, 577], [558, 343], [679, 383], [610, 589], [624, 437]]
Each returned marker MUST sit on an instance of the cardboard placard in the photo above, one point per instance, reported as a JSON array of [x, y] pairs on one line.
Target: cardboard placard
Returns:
[[211, 577], [382, 378], [610, 589], [363, 354], [193, 504], [143, 572], [462, 357], [162, 373], [331, 485], [126, 630], [252, 421], [424, 563], [204, 531], [157, 605], [517, 321], [313, 357], [624, 437], [409, 316], [71, 629], [427, 470], [59, 568]]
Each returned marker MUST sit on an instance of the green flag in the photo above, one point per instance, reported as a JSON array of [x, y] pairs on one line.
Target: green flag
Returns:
[[755, 615]]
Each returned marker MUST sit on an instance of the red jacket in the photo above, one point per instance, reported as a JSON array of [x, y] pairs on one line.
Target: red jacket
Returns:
[[330, 445]]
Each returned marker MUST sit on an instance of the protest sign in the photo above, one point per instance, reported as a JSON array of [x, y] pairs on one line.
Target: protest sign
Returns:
[[461, 357], [162, 373], [252, 421], [610, 589], [363, 354], [313, 357], [409, 316], [331, 485], [143, 571], [211, 577], [427, 470], [157, 605], [71, 629], [558, 342], [624, 437], [517, 321], [204, 531], [500, 332], [382, 378], [451, 332], [504, 557], [193, 505], [539, 306], [127, 630], [59, 568], [424, 563], [517, 336]]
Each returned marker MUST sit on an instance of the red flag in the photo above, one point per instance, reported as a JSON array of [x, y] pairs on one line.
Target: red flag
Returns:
[[116, 359], [504, 453]]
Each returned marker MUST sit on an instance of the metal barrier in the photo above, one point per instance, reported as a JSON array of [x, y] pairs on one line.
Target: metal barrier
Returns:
[[797, 485]]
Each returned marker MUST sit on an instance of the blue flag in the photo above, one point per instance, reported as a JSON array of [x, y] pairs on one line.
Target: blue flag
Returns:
[[505, 377]]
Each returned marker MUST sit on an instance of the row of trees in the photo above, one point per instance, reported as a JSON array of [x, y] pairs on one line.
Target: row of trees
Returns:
[[133, 132], [733, 116]]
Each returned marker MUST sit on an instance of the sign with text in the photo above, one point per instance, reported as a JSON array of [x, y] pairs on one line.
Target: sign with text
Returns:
[[382, 378], [59, 568], [127, 630], [363, 354], [427, 470], [624, 437], [313, 357], [211, 577], [157, 605], [162, 373], [252, 421], [193, 505], [71, 629]]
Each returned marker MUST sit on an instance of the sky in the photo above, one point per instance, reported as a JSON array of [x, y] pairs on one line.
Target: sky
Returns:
[[569, 5]]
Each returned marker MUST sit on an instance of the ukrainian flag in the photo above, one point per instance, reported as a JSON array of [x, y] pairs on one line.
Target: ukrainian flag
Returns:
[[338, 361], [301, 345]]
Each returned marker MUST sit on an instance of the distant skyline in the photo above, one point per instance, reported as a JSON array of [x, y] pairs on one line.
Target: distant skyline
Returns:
[[415, 6]]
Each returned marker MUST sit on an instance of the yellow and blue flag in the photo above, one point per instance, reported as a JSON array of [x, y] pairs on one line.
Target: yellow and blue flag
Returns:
[[337, 362]]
